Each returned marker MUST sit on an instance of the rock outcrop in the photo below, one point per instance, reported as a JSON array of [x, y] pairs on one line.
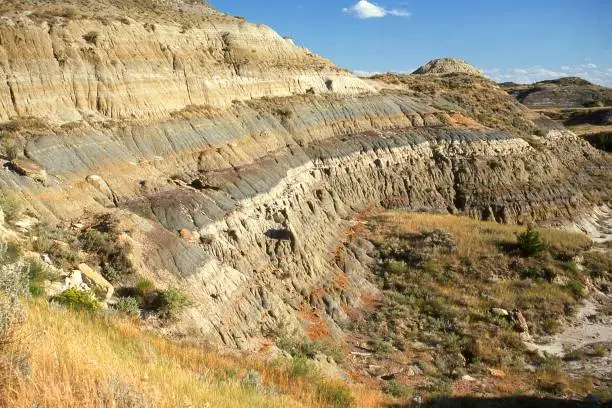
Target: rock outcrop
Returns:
[[447, 66], [241, 158]]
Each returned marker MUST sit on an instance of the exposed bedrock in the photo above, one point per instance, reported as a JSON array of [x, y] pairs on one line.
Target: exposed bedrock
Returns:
[[69, 70], [266, 196], [240, 159]]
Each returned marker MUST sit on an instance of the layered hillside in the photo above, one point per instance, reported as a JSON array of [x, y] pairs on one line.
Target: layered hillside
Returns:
[[235, 160], [583, 107], [570, 92]]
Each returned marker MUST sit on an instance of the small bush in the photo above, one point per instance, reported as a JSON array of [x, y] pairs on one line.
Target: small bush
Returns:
[[552, 326], [530, 242], [129, 306], [336, 396], [112, 254], [144, 287], [284, 113], [10, 207], [10, 149], [171, 302], [576, 287], [37, 273], [9, 253], [300, 367], [397, 390], [78, 299], [396, 267], [92, 37], [600, 350], [70, 13]]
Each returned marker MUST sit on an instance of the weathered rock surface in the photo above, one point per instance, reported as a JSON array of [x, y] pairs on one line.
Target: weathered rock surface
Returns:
[[240, 199], [447, 66]]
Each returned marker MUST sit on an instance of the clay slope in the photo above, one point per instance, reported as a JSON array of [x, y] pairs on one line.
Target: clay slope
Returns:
[[239, 158]]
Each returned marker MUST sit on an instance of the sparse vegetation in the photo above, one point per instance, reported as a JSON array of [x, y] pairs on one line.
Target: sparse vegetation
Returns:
[[111, 252], [129, 306], [10, 207], [443, 277], [397, 389], [171, 302], [78, 299], [530, 243], [92, 37]]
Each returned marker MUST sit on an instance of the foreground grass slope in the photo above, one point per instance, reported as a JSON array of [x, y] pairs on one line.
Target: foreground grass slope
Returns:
[[66, 358]]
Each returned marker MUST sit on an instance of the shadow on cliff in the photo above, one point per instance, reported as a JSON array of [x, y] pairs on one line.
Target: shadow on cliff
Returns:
[[503, 402]]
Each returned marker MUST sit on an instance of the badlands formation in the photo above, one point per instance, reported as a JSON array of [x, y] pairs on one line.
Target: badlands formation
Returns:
[[236, 160]]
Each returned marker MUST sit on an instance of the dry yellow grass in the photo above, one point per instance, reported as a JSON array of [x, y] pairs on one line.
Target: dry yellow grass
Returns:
[[473, 238], [80, 360]]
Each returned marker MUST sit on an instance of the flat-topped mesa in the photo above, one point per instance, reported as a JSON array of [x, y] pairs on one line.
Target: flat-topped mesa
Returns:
[[66, 65], [447, 66]]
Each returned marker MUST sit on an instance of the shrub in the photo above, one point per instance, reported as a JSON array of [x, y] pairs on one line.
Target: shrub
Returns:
[[144, 287], [10, 207], [171, 302], [10, 149], [308, 349], [576, 287], [13, 285], [112, 254], [530, 242], [397, 389], [9, 253], [78, 299], [91, 37], [70, 13], [600, 350], [300, 367], [335, 395], [129, 306], [396, 267], [37, 273]]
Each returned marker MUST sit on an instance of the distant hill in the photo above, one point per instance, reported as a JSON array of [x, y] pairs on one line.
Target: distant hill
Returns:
[[563, 93], [447, 66], [583, 107]]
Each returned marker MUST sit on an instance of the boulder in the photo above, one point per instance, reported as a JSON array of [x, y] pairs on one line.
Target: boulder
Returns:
[[497, 373], [28, 168], [95, 279], [100, 184], [500, 312]]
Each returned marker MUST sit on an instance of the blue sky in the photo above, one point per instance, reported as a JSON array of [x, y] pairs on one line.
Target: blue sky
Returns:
[[519, 40]]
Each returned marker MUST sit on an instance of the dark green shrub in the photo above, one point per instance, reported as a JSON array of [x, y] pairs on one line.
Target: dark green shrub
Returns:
[[171, 302], [144, 287], [78, 299], [530, 242], [576, 287]]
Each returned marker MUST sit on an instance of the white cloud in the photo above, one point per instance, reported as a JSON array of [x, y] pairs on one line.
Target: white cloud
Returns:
[[591, 72], [364, 9]]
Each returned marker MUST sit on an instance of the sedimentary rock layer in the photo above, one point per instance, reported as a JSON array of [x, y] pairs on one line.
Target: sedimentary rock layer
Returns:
[[241, 199]]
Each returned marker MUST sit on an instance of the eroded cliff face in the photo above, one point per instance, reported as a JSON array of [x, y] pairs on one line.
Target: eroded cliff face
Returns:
[[240, 159]]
